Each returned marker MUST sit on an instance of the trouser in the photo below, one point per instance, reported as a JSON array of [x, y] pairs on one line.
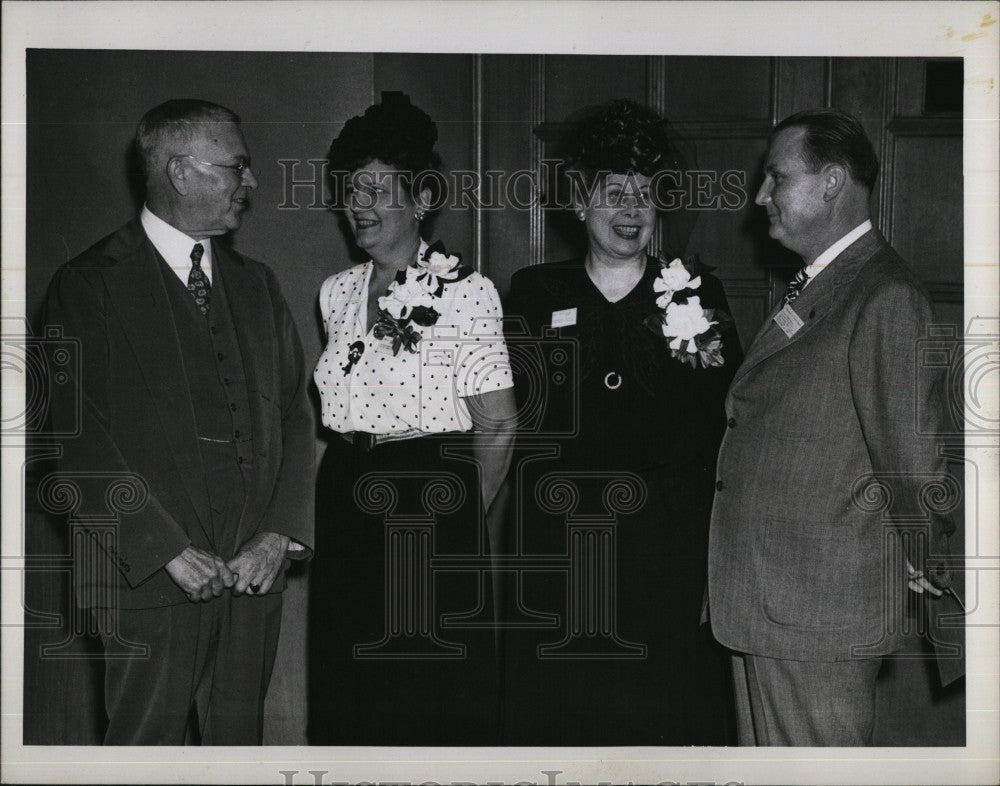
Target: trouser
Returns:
[[204, 676], [208, 665], [786, 702]]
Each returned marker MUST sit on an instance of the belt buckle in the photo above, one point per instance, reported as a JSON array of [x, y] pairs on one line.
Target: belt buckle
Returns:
[[364, 441]]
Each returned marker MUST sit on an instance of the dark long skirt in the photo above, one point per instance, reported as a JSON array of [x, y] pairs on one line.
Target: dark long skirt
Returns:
[[627, 661], [401, 622]]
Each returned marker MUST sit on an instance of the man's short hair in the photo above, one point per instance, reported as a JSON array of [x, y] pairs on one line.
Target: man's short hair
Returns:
[[165, 130], [835, 137]]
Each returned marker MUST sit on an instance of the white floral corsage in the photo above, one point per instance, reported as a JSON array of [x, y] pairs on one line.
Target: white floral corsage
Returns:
[[693, 333], [410, 298]]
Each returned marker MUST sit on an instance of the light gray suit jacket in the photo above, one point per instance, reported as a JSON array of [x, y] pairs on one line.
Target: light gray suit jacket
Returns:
[[806, 554]]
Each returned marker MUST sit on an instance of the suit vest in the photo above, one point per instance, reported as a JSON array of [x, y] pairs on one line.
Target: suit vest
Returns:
[[217, 383]]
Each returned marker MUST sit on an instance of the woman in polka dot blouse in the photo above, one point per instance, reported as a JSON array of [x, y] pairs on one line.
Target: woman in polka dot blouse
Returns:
[[416, 387]]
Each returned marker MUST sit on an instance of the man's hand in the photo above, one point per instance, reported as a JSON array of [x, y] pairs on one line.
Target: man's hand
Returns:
[[918, 582], [258, 563], [201, 574]]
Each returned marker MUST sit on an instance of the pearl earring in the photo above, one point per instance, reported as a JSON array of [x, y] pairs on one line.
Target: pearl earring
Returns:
[[418, 214]]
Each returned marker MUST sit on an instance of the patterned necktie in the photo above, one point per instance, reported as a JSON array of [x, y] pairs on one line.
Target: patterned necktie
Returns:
[[795, 287], [198, 284]]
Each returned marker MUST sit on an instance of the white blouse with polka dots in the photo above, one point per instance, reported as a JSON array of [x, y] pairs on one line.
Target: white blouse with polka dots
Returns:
[[464, 354]]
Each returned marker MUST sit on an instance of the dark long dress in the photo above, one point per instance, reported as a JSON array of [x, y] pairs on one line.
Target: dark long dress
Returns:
[[401, 652], [629, 499]]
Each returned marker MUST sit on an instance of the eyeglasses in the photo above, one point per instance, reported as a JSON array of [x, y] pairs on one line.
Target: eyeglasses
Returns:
[[241, 167]]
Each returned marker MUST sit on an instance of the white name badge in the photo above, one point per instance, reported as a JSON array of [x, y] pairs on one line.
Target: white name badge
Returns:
[[788, 321], [564, 318]]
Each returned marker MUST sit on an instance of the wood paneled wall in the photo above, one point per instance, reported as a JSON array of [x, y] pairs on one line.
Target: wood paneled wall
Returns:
[[723, 108]]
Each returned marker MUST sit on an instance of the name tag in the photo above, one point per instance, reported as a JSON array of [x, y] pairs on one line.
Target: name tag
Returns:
[[384, 346], [564, 318], [788, 321]]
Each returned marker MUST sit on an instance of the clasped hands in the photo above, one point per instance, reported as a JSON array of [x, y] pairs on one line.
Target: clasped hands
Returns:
[[203, 575]]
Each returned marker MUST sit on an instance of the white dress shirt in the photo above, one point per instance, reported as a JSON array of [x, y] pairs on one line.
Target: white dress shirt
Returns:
[[819, 264], [463, 354], [174, 246]]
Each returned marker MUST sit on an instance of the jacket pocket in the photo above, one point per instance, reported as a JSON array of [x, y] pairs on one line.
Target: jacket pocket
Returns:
[[818, 575]]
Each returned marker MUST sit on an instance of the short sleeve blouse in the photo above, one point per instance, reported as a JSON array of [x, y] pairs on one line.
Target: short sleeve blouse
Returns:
[[463, 354]]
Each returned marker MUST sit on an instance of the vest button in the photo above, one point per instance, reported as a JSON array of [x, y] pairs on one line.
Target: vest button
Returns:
[[719, 485], [220, 356], [236, 434], [233, 407], [732, 423]]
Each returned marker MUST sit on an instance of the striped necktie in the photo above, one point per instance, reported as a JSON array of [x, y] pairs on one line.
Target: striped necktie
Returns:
[[198, 284], [795, 287]]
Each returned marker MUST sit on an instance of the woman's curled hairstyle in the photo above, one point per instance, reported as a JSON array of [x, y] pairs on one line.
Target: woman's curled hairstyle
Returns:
[[620, 136], [394, 132]]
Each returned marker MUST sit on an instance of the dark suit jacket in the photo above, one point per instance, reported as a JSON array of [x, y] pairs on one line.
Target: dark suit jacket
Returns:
[[138, 417], [803, 563]]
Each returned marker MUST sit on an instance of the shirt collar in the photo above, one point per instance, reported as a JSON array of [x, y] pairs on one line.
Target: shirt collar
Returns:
[[174, 246], [835, 250]]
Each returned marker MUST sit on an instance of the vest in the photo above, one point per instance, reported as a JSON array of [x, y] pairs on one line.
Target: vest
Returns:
[[213, 366]]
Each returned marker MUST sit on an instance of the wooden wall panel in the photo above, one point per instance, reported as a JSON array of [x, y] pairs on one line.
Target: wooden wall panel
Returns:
[[865, 86], [799, 83], [442, 86], [573, 82], [510, 99], [927, 206], [727, 238], [723, 89]]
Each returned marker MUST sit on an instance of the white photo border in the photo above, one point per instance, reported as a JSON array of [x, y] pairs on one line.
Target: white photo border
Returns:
[[930, 29]]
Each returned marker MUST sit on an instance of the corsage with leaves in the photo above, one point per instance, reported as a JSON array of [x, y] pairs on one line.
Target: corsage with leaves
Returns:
[[410, 298], [693, 333]]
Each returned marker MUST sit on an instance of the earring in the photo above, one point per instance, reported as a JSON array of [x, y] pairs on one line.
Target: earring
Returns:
[[581, 215], [418, 214]]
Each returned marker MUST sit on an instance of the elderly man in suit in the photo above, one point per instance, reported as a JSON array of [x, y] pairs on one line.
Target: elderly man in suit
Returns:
[[192, 385], [805, 578]]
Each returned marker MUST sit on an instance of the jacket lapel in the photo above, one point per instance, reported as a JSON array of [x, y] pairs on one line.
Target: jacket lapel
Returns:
[[136, 289], [815, 302]]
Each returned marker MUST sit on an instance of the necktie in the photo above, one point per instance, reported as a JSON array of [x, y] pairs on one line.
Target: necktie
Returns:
[[795, 287], [198, 284]]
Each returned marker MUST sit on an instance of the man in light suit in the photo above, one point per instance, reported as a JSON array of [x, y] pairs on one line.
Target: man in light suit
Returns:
[[806, 580], [192, 388]]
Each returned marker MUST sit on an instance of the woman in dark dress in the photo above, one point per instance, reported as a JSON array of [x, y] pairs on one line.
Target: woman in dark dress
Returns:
[[627, 501], [417, 394]]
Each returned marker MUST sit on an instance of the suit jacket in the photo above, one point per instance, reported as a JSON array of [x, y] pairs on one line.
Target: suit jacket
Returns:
[[805, 558], [137, 418]]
